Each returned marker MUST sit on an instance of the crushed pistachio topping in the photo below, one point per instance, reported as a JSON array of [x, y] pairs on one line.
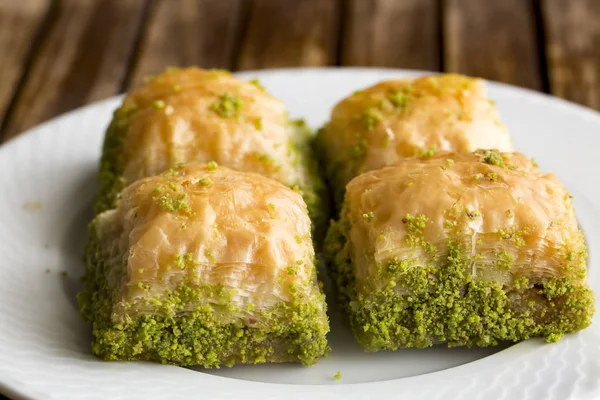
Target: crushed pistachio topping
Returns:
[[503, 260], [515, 234], [430, 152], [494, 158], [415, 226], [205, 181], [369, 216], [227, 106], [212, 165], [158, 104], [534, 163], [256, 82], [338, 376], [419, 304], [510, 213], [492, 176], [399, 100], [292, 270], [172, 203], [258, 124], [271, 208], [372, 116]]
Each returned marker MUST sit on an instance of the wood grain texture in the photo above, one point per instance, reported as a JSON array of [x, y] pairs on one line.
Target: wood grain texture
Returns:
[[573, 49], [19, 23], [492, 39], [82, 58], [290, 33], [189, 32], [391, 33]]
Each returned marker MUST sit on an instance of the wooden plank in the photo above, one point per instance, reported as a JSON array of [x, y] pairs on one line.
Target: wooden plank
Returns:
[[573, 49], [391, 33], [290, 33], [19, 23], [82, 58], [492, 39], [189, 32]]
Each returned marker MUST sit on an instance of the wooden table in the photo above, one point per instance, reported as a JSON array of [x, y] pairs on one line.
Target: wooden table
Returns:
[[56, 55]]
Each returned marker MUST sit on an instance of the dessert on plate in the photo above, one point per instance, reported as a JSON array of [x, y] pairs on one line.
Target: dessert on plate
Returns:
[[187, 115], [204, 265], [464, 249], [393, 120]]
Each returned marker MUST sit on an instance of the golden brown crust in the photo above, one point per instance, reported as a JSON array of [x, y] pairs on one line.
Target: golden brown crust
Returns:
[[392, 120], [178, 119], [500, 207], [215, 226]]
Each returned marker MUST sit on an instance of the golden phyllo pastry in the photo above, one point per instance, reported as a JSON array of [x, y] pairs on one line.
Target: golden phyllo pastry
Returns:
[[464, 249], [204, 265], [392, 120], [194, 115]]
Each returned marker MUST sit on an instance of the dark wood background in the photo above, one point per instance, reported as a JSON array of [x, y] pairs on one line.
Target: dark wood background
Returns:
[[56, 55]]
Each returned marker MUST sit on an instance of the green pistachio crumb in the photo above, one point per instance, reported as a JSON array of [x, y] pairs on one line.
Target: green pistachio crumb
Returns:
[[492, 176], [399, 100], [503, 260], [292, 270], [158, 104], [227, 106], [415, 226], [510, 213], [205, 181], [256, 82], [209, 256], [430, 152], [371, 117], [494, 158], [212, 165], [338, 376], [370, 216], [534, 163], [258, 124], [478, 176]]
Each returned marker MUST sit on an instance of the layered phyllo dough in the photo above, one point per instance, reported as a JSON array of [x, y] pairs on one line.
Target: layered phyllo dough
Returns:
[[392, 120], [204, 265], [464, 249], [194, 115]]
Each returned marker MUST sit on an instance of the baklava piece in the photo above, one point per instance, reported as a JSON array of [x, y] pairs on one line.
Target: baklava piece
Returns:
[[204, 265], [194, 115], [392, 120], [464, 249]]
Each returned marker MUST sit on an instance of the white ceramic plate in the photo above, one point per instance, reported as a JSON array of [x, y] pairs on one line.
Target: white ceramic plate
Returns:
[[48, 182]]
